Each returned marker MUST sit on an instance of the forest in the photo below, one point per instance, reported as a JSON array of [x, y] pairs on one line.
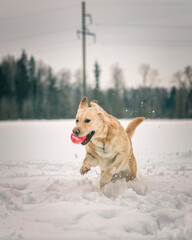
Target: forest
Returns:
[[29, 89]]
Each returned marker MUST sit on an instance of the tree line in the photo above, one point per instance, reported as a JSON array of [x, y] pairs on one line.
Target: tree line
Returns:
[[31, 90]]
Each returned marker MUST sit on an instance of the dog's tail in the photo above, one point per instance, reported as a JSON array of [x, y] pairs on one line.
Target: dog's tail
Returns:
[[132, 126]]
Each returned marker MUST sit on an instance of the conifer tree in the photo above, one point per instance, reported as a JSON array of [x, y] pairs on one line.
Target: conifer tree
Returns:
[[22, 82]]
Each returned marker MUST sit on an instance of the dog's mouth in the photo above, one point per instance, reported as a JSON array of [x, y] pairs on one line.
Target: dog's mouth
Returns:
[[88, 138]]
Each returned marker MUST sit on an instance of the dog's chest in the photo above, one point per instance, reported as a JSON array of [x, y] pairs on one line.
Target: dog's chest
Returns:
[[105, 154], [102, 150]]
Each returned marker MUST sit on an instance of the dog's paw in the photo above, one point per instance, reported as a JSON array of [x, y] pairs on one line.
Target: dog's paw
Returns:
[[102, 185], [84, 169]]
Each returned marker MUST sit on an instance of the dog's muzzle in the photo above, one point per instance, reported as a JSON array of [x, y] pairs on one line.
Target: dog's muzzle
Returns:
[[88, 138], [76, 131]]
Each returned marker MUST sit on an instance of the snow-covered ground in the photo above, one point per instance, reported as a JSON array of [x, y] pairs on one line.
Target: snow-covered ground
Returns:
[[43, 196]]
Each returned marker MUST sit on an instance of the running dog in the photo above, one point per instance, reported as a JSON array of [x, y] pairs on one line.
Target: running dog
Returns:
[[108, 144]]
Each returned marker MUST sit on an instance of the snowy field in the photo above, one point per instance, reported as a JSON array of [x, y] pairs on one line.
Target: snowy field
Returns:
[[43, 196]]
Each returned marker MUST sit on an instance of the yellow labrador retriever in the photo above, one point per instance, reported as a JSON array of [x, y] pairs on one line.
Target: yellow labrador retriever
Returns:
[[108, 145]]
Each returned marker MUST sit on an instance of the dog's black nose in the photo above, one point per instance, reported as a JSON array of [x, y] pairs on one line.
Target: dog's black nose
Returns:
[[76, 131]]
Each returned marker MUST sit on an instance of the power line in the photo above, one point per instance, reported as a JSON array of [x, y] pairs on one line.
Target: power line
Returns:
[[140, 43], [143, 4], [38, 13], [135, 25], [30, 48], [147, 42], [38, 34]]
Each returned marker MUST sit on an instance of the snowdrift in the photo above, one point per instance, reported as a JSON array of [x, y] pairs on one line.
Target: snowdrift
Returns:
[[43, 195]]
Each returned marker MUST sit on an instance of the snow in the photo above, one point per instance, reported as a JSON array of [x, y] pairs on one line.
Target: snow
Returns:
[[43, 195]]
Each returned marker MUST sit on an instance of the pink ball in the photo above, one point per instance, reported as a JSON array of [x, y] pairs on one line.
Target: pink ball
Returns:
[[76, 139]]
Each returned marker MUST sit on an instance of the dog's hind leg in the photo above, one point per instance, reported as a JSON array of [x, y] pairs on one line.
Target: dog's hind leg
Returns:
[[133, 166], [105, 178], [107, 175]]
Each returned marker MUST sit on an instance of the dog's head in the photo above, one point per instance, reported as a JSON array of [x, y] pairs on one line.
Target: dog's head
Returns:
[[89, 120]]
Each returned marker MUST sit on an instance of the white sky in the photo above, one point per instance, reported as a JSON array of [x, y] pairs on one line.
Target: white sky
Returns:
[[156, 32]]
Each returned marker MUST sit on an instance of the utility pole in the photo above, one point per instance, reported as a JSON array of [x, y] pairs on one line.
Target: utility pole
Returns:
[[84, 32], [97, 72], [84, 48]]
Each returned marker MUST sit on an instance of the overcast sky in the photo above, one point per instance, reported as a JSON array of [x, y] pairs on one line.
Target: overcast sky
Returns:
[[156, 32]]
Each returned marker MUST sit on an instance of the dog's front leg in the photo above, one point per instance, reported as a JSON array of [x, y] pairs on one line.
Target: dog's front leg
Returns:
[[107, 175], [105, 178], [88, 162]]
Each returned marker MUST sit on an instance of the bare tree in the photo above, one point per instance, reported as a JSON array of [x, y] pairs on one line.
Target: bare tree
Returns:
[[117, 92], [149, 76], [153, 77], [144, 71], [179, 79], [188, 76], [117, 78], [78, 85]]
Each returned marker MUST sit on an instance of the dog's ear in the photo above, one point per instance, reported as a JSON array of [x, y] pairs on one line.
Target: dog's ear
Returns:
[[96, 106], [84, 103], [93, 101]]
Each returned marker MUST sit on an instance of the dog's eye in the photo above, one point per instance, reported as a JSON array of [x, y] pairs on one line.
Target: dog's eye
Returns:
[[87, 121], [77, 120]]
